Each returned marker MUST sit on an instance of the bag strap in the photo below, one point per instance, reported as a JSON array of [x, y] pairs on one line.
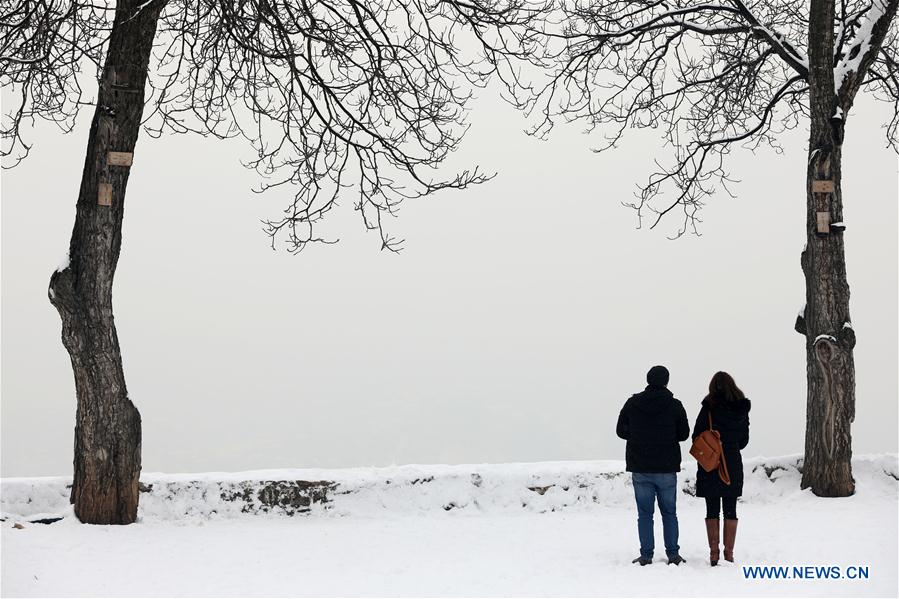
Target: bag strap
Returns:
[[723, 474]]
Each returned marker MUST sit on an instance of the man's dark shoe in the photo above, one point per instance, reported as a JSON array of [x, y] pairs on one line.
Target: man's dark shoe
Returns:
[[676, 560], [643, 561]]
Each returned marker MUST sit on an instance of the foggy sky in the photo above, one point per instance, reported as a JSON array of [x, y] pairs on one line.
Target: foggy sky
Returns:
[[520, 316]]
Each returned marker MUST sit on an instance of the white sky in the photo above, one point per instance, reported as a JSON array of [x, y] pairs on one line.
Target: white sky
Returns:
[[520, 316]]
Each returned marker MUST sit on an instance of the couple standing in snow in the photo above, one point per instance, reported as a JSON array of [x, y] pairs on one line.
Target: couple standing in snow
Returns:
[[654, 423]]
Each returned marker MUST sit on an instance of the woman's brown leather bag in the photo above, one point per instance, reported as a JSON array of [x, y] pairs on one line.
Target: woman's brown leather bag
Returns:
[[709, 452]]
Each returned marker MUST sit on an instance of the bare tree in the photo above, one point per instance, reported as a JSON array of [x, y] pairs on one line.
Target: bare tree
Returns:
[[715, 76], [335, 96]]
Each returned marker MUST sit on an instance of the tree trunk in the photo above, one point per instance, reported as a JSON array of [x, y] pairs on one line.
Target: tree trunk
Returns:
[[830, 369], [107, 429]]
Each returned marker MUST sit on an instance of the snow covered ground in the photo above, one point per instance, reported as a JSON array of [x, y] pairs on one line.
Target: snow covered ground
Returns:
[[552, 529]]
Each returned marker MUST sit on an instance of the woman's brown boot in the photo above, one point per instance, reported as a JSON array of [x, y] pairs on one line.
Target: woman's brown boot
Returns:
[[712, 528], [730, 535]]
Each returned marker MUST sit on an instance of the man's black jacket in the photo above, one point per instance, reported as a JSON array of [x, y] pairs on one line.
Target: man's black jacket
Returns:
[[653, 423]]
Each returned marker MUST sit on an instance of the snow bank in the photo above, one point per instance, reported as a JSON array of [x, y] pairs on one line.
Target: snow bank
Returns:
[[418, 489]]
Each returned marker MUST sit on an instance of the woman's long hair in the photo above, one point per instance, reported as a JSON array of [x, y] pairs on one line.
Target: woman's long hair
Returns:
[[723, 388]]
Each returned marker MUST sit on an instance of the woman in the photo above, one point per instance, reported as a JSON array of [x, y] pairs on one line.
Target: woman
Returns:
[[729, 410]]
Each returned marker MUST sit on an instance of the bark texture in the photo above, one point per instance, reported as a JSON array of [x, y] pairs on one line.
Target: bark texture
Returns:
[[108, 429], [825, 323]]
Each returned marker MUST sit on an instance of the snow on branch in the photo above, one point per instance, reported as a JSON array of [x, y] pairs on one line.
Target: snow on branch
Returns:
[[786, 49], [860, 44]]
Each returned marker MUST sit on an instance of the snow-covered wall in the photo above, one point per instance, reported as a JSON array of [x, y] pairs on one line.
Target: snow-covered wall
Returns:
[[410, 490]]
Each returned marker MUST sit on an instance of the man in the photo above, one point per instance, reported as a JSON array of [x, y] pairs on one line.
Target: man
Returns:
[[654, 423]]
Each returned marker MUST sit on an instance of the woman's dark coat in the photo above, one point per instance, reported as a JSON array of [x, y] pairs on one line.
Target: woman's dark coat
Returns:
[[731, 420]]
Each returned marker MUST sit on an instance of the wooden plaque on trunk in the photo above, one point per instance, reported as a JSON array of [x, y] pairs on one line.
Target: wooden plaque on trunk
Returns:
[[119, 158], [121, 76], [823, 222], [822, 186], [104, 194]]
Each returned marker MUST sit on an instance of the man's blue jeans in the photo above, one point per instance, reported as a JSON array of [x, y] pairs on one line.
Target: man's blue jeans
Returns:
[[648, 487]]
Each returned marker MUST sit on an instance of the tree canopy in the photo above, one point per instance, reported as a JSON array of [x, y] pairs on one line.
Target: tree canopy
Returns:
[[711, 76], [332, 94]]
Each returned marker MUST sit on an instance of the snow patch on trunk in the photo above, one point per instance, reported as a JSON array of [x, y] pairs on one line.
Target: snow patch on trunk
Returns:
[[64, 264]]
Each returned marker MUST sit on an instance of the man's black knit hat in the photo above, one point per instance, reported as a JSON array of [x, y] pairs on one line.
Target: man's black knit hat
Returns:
[[657, 376]]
